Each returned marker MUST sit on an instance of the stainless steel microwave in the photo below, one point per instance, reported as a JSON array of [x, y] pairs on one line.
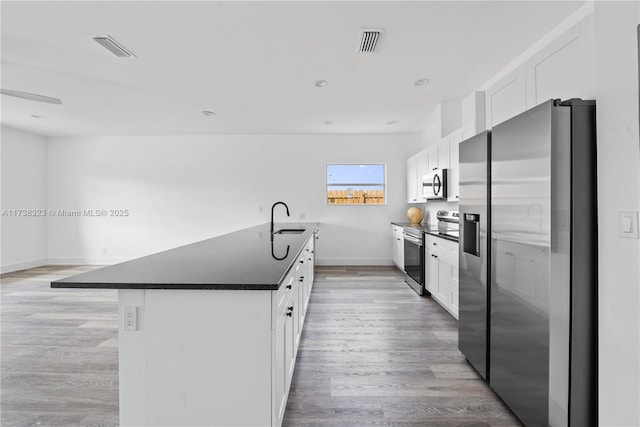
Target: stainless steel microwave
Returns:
[[434, 185]]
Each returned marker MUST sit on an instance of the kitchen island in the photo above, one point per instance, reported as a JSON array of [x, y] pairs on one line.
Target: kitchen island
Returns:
[[208, 332]]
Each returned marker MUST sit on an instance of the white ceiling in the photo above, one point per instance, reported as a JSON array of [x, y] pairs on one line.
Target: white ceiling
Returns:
[[254, 63]]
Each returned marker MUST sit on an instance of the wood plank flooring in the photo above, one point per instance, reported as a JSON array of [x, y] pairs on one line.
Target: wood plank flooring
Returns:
[[58, 351], [372, 353]]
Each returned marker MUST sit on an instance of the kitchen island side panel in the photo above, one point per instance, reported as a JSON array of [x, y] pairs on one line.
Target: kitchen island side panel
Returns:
[[199, 358]]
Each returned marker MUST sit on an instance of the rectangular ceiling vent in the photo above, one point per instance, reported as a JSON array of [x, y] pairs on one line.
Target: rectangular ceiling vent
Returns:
[[369, 40], [113, 46]]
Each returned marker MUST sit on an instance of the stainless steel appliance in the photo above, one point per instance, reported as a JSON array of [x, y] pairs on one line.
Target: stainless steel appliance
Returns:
[[448, 223], [537, 237], [414, 258], [474, 256], [434, 185]]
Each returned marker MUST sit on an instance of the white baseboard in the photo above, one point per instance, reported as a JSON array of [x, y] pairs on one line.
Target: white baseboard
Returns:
[[22, 265], [85, 261], [353, 261]]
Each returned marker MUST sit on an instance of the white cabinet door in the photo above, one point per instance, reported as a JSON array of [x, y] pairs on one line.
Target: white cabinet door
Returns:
[[443, 154], [453, 177], [564, 69], [279, 371], [412, 180], [433, 274], [432, 154], [443, 281], [423, 168], [397, 246], [507, 98]]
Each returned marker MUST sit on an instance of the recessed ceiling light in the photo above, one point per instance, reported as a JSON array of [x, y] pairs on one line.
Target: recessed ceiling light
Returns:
[[392, 122], [421, 82], [328, 122], [37, 116], [208, 113], [321, 83]]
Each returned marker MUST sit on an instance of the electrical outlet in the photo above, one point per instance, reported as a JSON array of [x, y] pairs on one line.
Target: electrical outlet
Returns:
[[301, 215], [131, 318]]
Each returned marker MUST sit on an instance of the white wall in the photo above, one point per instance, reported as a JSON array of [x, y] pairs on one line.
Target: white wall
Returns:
[[180, 189], [618, 190], [24, 182]]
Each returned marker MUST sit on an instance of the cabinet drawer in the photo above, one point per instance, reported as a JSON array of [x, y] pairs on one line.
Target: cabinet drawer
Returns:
[[444, 249], [281, 298]]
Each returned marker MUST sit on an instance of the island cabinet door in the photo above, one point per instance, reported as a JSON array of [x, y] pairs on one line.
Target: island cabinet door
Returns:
[[280, 367], [303, 292], [284, 353]]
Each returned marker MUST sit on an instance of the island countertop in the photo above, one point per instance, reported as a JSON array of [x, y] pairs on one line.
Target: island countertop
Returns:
[[243, 260]]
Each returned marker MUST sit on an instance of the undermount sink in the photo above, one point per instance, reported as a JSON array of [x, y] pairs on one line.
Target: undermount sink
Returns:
[[290, 231]]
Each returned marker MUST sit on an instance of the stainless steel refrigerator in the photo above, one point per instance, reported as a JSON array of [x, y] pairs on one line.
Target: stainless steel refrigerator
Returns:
[[540, 344], [474, 260]]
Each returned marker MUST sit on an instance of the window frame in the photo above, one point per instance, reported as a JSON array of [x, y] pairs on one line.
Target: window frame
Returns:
[[384, 184]]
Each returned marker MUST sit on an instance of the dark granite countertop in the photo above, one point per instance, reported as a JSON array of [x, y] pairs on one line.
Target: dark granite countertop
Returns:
[[243, 260], [432, 230]]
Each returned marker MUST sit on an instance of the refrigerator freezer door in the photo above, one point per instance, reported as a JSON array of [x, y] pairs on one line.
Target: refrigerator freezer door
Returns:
[[525, 186], [473, 254]]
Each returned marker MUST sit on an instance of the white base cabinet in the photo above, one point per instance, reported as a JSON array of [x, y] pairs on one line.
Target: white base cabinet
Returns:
[[212, 357], [441, 265], [398, 245]]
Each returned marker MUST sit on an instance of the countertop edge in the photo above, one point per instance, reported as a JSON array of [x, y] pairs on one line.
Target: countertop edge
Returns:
[[65, 284], [426, 230]]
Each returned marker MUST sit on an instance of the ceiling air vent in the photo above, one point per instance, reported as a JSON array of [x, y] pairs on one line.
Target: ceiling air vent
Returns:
[[369, 40], [113, 46]]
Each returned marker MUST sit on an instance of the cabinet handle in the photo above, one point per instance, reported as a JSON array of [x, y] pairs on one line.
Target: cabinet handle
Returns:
[[397, 238], [309, 259], [434, 169], [288, 286], [434, 244], [290, 308], [301, 261], [301, 279], [435, 256], [289, 314]]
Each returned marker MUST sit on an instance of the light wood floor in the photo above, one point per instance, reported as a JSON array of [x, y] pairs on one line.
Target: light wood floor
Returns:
[[372, 353]]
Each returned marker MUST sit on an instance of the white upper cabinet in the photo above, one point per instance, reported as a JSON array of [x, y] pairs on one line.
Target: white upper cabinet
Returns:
[[412, 180], [432, 153], [561, 70], [453, 177], [443, 154], [507, 98], [423, 168]]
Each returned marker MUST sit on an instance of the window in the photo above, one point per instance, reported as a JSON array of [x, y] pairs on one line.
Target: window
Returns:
[[356, 184]]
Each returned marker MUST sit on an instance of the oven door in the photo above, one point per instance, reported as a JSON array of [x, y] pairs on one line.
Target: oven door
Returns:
[[414, 262]]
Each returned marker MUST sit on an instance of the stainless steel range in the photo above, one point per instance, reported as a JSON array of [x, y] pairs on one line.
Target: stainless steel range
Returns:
[[414, 258], [448, 223]]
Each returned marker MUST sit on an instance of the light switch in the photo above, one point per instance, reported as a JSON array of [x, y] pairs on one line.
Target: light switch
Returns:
[[628, 224]]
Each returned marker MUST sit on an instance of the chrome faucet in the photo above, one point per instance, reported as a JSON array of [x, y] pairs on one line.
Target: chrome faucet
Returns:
[[273, 207]]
